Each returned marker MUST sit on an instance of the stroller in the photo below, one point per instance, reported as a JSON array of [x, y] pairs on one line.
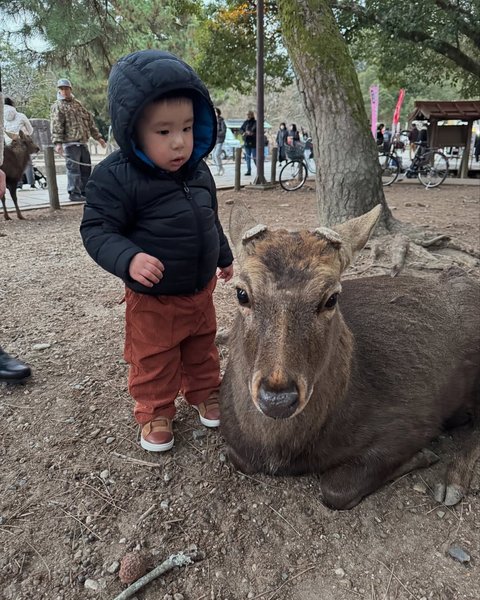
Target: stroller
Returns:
[[39, 181]]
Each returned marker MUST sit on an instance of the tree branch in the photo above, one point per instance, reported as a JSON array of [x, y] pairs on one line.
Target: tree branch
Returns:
[[440, 46], [464, 23]]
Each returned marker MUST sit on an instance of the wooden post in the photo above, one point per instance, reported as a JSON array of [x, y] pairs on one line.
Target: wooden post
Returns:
[[273, 166], [51, 177], [463, 170], [238, 166]]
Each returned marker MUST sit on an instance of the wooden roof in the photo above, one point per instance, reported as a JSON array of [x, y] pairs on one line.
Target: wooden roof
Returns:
[[465, 110]]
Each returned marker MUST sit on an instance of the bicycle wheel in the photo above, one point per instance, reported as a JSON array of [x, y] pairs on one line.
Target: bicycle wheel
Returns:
[[311, 166], [293, 175], [390, 168], [433, 169]]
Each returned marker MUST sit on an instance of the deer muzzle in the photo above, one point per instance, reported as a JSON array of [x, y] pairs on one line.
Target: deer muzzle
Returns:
[[278, 403]]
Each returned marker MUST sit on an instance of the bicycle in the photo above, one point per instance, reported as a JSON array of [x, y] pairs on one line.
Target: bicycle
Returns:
[[300, 163], [429, 165], [390, 166]]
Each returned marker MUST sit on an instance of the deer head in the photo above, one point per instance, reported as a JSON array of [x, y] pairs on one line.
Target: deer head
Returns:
[[289, 323]]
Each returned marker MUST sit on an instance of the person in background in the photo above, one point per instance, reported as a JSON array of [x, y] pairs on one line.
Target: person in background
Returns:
[[293, 136], [12, 370], [249, 134], [72, 125], [14, 122], [281, 141], [476, 147], [151, 219], [413, 137], [217, 151], [387, 140], [380, 140]]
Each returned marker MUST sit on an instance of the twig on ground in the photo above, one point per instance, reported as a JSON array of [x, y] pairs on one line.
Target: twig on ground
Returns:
[[275, 592], [41, 558], [399, 580], [282, 517], [175, 560], [69, 514], [146, 513], [137, 461], [388, 585]]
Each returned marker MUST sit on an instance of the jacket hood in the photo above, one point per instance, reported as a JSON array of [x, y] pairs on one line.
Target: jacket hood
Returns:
[[9, 113], [141, 77]]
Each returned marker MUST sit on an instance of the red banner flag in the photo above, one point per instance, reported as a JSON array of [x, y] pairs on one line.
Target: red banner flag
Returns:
[[398, 108]]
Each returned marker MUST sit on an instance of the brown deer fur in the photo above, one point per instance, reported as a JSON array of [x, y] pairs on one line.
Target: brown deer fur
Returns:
[[15, 160], [352, 391]]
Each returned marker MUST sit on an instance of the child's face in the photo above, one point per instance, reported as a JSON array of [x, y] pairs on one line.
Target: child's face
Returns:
[[165, 132]]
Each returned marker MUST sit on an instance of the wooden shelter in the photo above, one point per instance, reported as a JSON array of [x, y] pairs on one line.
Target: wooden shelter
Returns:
[[449, 135]]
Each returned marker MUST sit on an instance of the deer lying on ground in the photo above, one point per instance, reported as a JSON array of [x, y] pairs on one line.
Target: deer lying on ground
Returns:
[[15, 160], [349, 380]]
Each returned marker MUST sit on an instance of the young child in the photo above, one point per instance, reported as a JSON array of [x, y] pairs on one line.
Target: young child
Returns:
[[151, 219]]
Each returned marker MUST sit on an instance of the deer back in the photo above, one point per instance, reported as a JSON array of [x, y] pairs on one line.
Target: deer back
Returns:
[[16, 157]]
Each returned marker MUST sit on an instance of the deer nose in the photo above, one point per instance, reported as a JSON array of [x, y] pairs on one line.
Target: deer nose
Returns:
[[278, 403]]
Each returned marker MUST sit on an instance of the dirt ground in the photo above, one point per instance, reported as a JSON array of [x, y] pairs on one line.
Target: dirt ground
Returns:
[[77, 492]]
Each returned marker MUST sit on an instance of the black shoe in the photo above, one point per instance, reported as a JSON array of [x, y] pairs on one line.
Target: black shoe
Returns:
[[76, 198], [248, 173], [11, 369]]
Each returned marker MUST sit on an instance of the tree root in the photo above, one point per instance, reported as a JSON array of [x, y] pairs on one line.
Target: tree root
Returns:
[[175, 560], [408, 248]]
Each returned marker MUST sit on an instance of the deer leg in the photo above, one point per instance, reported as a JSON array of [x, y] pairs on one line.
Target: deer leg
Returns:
[[5, 213], [460, 469], [421, 460], [13, 193], [459, 472], [344, 487]]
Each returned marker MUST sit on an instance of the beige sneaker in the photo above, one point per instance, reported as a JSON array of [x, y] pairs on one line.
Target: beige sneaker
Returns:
[[157, 435], [209, 411]]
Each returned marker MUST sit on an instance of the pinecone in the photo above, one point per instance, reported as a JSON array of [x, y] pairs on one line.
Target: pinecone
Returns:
[[132, 566]]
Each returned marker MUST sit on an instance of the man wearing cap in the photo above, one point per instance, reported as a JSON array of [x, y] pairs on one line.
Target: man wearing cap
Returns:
[[72, 125]]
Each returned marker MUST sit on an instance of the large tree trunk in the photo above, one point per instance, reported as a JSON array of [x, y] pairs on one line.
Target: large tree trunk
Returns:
[[348, 179]]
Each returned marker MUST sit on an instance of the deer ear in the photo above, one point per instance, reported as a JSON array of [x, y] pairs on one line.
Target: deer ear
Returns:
[[354, 234], [243, 229]]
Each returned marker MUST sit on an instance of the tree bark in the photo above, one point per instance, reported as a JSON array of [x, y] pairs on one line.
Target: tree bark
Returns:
[[348, 179]]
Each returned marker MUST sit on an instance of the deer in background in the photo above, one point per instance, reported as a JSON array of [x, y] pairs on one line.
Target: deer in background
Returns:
[[15, 159], [347, 379]]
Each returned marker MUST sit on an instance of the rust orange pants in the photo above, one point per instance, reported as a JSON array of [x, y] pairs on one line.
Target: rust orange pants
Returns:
[[170, 347]]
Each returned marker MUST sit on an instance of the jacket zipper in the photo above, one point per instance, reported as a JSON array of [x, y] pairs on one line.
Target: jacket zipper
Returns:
[[196, 212]]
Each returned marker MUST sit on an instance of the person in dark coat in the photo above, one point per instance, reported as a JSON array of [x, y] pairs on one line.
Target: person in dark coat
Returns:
[[151, 219], [281, 141], [221, 133], [293, 136], [249, 134], [413, 137]]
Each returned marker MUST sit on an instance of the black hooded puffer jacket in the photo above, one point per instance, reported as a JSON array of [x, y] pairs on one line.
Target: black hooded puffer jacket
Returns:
[[133, 206]]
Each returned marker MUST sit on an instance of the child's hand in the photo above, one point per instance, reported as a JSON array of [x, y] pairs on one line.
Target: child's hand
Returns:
[[146, 269], [226, 273]]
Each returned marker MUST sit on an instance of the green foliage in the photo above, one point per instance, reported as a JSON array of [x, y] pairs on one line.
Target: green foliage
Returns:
[[226, 47], [411, 42], [82, 39]]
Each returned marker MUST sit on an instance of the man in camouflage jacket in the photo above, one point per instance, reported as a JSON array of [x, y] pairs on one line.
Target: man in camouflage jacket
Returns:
[[72, 125]]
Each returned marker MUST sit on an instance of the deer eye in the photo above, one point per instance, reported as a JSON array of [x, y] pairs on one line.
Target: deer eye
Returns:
[[242, 296], [332, 301]]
